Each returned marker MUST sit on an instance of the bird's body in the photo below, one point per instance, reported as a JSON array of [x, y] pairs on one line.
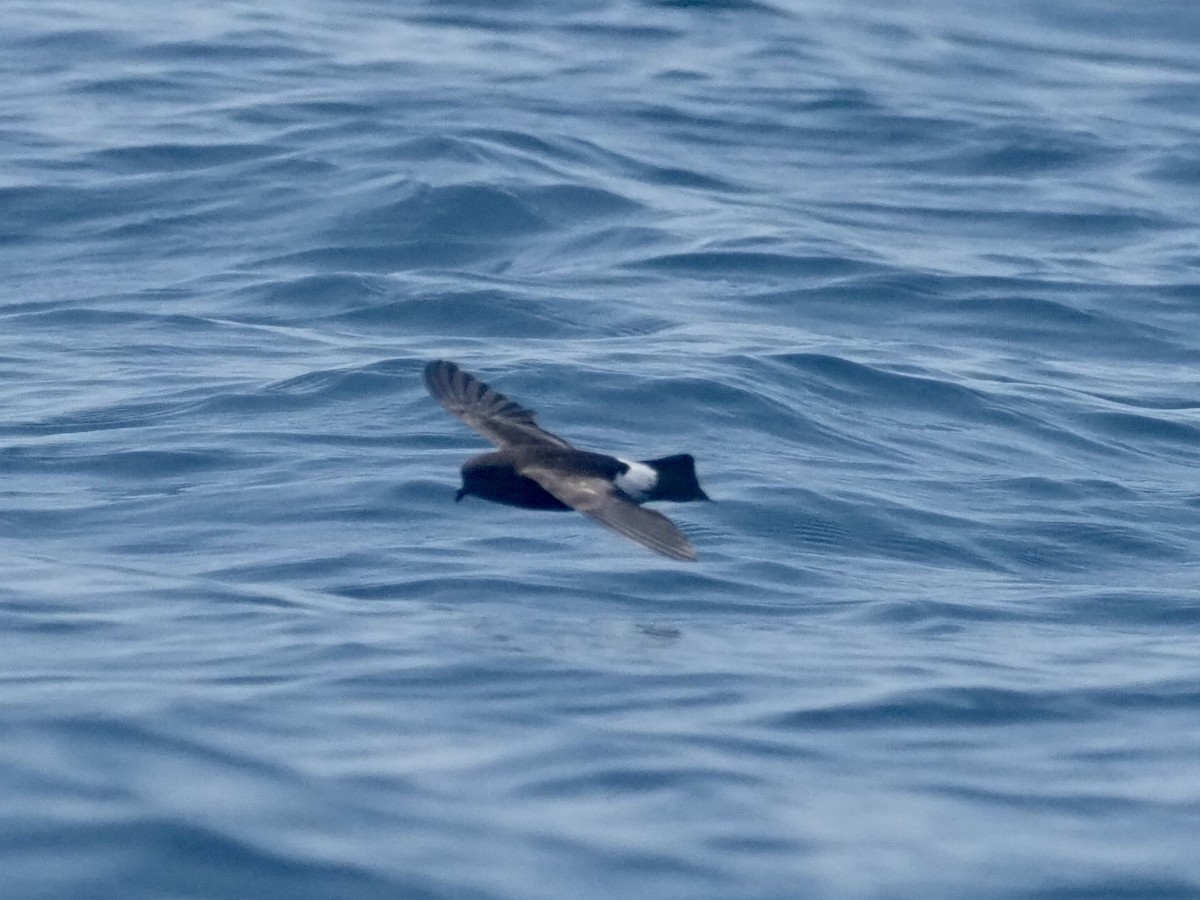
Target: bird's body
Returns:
[[534, 469]]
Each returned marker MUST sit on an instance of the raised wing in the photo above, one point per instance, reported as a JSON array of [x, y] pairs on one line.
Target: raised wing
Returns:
[[502, 421], [597, 499]]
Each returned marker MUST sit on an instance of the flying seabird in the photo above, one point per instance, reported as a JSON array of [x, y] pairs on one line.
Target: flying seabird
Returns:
[[534, 469]]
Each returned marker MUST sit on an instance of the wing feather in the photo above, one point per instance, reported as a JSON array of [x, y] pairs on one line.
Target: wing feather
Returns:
[[599, 501], [502, 421]]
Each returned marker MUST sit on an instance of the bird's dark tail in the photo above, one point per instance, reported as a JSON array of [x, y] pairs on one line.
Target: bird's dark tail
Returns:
[[676, 479]]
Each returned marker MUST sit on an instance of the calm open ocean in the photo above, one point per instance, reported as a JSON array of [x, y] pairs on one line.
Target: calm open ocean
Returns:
[[918, 284]]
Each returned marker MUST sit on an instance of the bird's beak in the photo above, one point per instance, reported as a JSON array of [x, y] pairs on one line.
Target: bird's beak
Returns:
[[459, 494]]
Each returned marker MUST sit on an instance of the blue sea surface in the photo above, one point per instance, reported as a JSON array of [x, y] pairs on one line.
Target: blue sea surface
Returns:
[[917, 283]]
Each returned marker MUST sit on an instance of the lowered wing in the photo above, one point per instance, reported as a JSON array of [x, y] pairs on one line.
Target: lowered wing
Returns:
[[597, 499]]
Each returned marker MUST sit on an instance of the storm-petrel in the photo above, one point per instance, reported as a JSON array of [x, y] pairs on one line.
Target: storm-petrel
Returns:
[[536, 470]]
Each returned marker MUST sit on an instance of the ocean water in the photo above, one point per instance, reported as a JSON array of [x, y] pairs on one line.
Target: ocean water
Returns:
[[916, 283]]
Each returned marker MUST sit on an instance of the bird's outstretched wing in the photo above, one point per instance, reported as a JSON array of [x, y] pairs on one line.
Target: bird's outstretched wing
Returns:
[[597, 499], [502, 421]]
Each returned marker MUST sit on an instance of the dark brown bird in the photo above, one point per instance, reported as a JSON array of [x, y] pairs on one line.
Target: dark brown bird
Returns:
[[534, 469]]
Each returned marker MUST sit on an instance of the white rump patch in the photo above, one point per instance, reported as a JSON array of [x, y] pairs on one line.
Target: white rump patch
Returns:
[[639, 481]]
